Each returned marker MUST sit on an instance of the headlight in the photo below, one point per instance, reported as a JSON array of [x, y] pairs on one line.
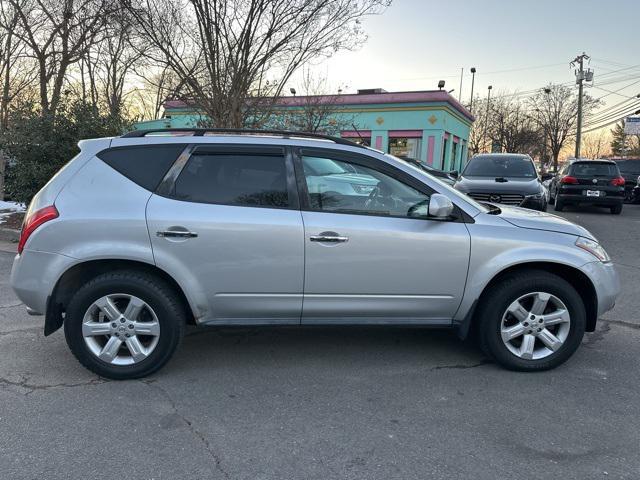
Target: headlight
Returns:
[[594, 248], [362, 189], [536, 196]]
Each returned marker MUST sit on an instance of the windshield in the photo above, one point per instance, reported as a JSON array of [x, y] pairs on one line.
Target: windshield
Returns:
[[631, 167], [499, 166], [443, 187], [594, 169]]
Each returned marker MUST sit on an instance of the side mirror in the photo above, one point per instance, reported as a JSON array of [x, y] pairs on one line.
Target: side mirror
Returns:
[[440, 206], [546, 176], [454, 173]]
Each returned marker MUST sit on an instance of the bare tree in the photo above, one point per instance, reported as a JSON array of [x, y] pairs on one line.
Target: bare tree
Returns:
[[555, 109], [477, 137], [16, 71], [316, 110], [511, 125], [228, 51], [158, 85], [595, 145], [57, 34]]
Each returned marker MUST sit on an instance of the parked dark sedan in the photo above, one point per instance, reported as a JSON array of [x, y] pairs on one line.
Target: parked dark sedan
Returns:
[[506, 178], [590, 182], [630, 170]]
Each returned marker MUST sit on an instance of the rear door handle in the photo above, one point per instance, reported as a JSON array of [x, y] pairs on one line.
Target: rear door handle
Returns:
[[176, 234], [328, 238]]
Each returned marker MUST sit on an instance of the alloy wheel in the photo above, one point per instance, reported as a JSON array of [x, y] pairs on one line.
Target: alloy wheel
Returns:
[[535, 325], [120, 329]]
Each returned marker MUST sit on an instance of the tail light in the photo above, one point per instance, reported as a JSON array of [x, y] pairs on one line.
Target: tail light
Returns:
[[569, 180], [618, 182], [33, 220]]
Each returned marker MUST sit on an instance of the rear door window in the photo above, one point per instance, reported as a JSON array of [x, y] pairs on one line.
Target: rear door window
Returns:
[[250, 180], [145, 165]]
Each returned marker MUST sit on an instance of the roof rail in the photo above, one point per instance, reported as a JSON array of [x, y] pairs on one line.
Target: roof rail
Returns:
[[199, 132]]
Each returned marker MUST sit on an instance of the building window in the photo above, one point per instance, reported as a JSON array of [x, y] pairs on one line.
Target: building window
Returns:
[[405, 147], [454, 158], [445, 145]]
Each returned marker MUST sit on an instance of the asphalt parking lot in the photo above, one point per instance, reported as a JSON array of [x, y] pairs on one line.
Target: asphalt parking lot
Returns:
[[325, 403]]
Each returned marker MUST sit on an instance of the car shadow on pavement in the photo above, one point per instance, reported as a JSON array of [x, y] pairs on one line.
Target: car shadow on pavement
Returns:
[[385, 347]]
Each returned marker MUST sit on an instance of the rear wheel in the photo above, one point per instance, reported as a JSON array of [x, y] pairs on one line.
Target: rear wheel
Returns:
[[124, 324], [531, 321], [616, 209]]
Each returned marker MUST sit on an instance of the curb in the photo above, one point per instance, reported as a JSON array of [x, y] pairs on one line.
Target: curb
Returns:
[[9, 235]]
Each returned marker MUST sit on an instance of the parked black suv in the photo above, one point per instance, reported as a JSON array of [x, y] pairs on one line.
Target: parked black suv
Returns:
[[589, 182], [630, 170], [505, 178]]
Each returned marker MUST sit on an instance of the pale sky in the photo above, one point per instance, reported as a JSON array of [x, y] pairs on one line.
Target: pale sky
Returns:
[[514, 45]]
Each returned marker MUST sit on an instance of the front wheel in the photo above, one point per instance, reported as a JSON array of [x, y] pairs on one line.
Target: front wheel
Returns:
[[531, 321], [124, 324]]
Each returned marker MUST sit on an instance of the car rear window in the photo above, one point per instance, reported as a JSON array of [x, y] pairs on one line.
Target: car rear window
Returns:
[[251, 180], [144, 164], [499, 166], [594, 169]]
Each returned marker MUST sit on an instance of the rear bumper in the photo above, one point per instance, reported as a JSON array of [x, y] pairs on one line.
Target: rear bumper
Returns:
[[583, 199], [606, 283], [33, 276]]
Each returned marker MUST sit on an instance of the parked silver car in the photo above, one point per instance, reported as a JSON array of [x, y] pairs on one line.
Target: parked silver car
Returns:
[[143, 234]]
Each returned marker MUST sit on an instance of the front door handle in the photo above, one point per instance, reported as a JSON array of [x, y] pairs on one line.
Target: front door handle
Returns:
[[176, 234], [328, 238]]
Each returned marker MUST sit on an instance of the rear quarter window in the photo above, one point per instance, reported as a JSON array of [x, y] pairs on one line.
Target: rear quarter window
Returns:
[[145, 165]]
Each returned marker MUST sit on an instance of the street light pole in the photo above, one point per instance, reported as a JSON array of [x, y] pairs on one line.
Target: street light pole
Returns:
[[473, 79], [486, 119]]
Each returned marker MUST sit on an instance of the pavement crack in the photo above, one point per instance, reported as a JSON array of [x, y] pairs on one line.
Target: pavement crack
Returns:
[[21, 330], [623, 323], [11, 305], [33, 387], [458, 366], [192, 428], [626, 265]]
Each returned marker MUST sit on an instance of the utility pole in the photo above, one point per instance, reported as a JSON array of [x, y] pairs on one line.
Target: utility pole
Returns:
[[460, 91], [580, 77]]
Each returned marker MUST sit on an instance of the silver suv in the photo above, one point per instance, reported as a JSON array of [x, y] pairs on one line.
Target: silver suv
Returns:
[[141, 235]]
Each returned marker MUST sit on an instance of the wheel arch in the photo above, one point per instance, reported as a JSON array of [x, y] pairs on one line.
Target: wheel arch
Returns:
[[572, 275], [80, 273]]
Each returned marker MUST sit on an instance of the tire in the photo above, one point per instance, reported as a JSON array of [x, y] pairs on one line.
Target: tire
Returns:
[[558, 205], [616, 209], [159, 298], [509, 289]]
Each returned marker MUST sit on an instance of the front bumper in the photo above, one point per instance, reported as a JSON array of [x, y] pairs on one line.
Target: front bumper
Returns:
[[606, 282], [35, 274]]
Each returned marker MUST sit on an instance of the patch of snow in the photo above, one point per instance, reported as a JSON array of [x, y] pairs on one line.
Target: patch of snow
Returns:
[[11, 207]]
